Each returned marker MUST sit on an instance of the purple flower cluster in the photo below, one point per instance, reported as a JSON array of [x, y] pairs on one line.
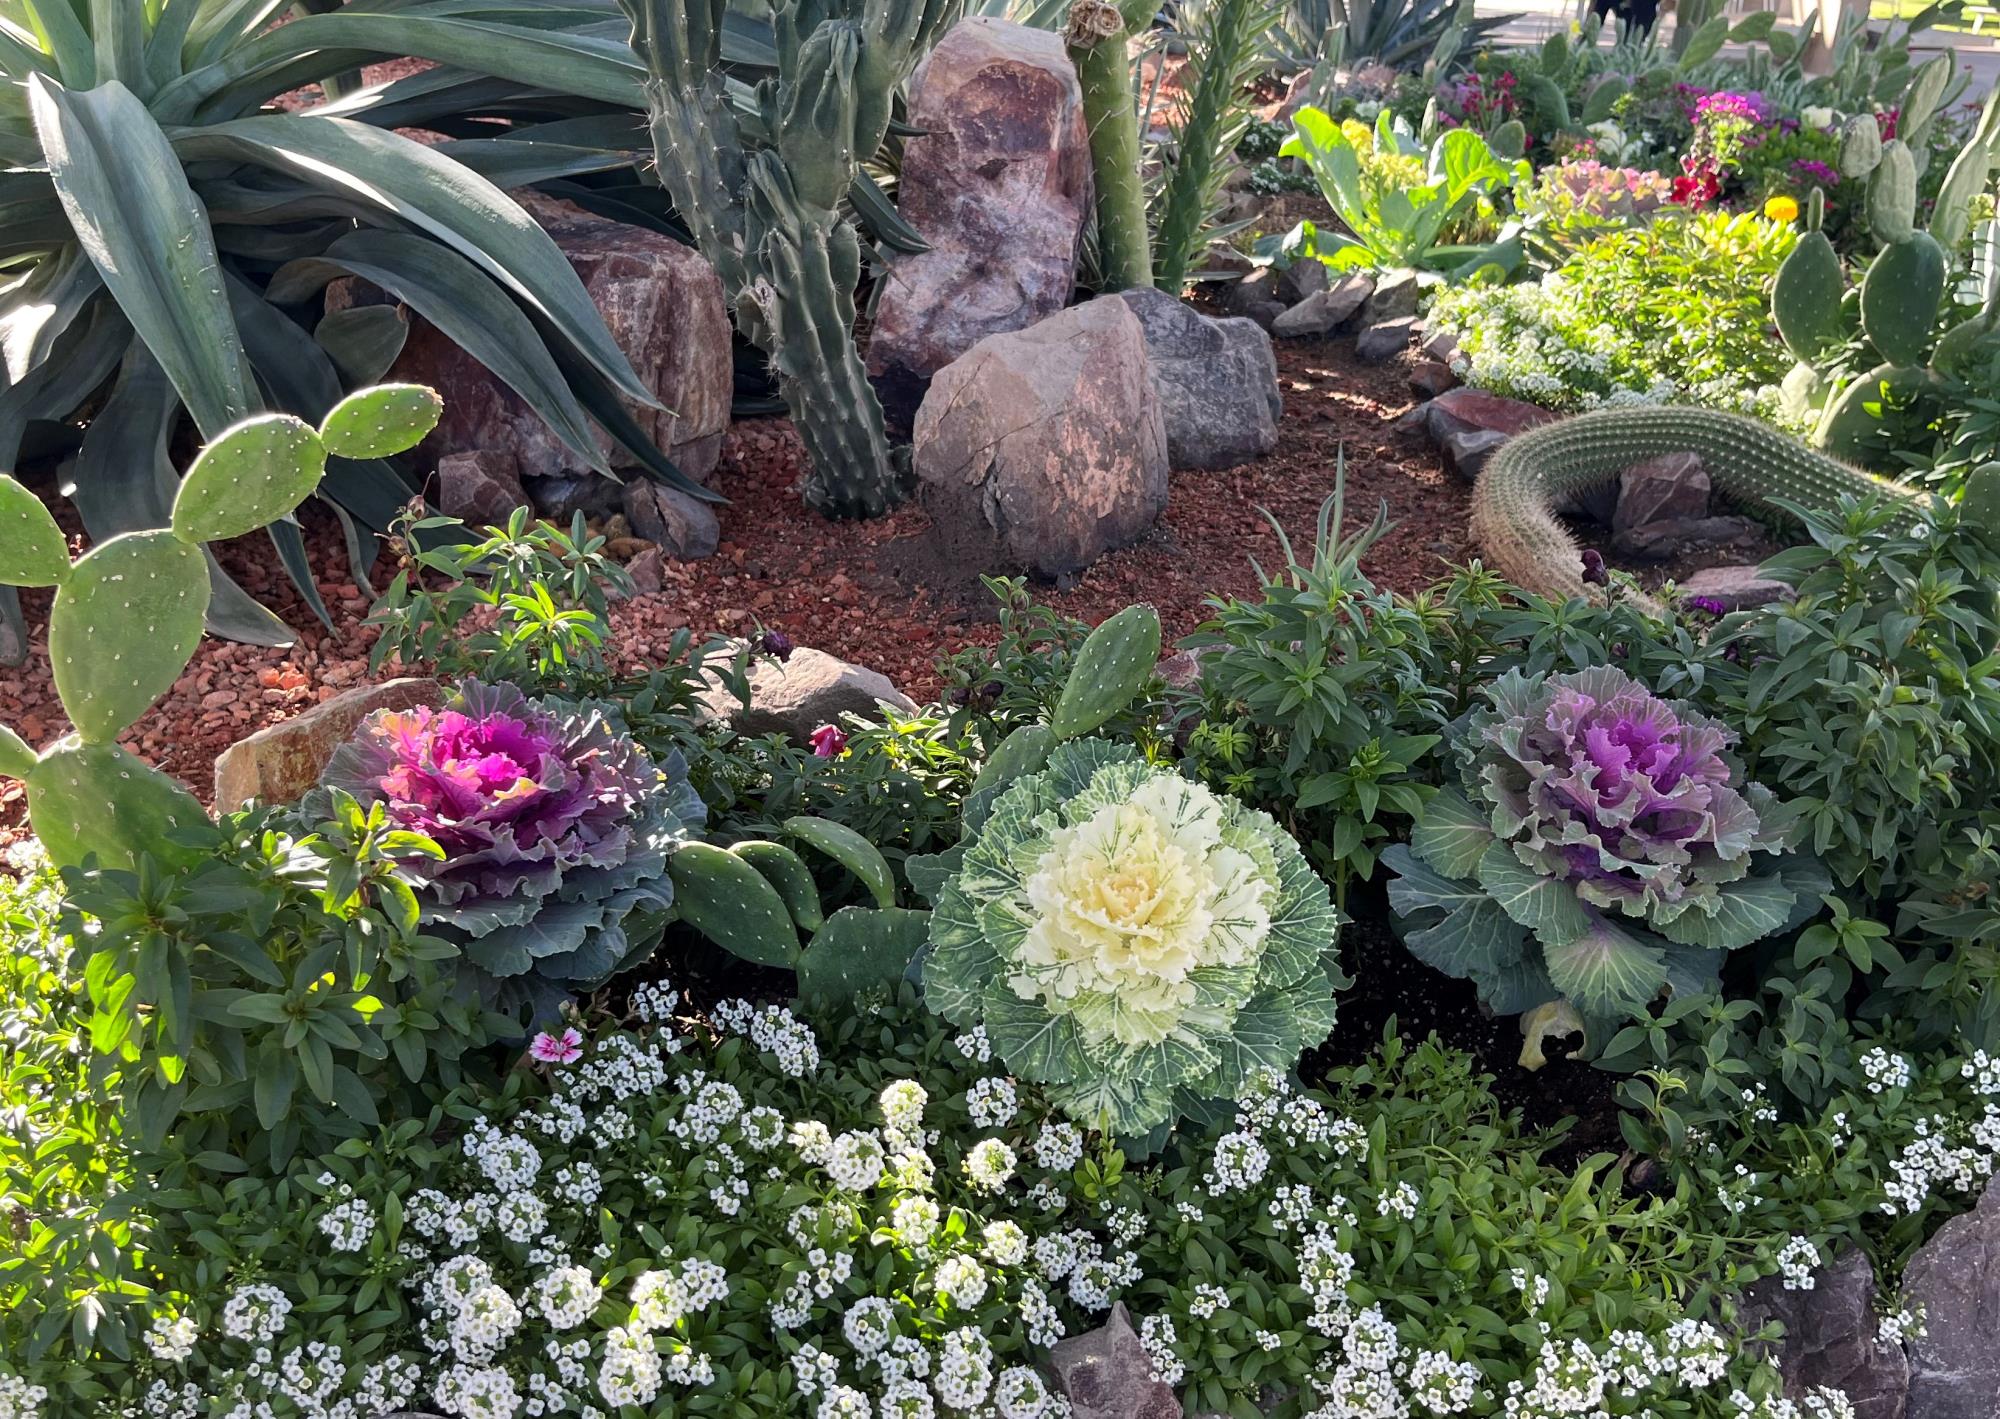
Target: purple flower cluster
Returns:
[[1751, 107]]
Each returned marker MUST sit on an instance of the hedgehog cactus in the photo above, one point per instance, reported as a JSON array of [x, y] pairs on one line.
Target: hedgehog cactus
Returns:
[[1513, 506], [128, 615]]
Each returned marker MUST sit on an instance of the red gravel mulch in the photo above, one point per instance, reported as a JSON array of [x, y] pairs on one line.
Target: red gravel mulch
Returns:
[[837, 585]]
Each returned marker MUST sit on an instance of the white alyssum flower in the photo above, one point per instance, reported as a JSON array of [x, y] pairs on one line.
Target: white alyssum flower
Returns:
[[989, 1165]]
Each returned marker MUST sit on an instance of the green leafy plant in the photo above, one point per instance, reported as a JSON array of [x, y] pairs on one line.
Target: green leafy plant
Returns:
[[128, 615], [1133, 941], [1403, 227], [547, 590], [1599, 848], [165, 206]]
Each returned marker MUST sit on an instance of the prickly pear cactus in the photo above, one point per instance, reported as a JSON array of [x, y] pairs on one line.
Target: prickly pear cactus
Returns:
[[1513, 505], [1111, 668], [1900, 297], [128, 614]]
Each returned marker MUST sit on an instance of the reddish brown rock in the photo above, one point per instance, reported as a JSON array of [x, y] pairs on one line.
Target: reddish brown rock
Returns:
[[1470, 410], [663, 305], [278, 764], [1044, 448], [999, 185], [481, 487], [1673, 487], [1737, 588]]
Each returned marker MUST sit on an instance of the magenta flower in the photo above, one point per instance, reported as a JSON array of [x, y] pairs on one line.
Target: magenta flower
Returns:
[[565, 1048], [828, 741]]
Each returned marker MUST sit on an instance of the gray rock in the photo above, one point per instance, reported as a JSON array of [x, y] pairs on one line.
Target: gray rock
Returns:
[[1430, 378], [684, 527], [1735, 587], [1046, 447], [1264, 314], [1830, 1337], [1669, 537], [1255, 288], [1180, 670], [1105, 1374], [561, 496], [999, 184], [482, 487], [1954, 1279], [1304, 277], [1384, 341], [1672, 487], [797, 695], [1466, 451], [1441, 345], [278, 764], [1394, 297], [1324, 312], [648, 572], [1217, 382]]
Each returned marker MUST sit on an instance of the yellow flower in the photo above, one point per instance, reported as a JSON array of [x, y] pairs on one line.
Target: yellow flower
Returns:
[[1781, 208]]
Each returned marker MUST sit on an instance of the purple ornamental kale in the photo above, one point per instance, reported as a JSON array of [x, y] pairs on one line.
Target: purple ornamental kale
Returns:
[[1630, 798]]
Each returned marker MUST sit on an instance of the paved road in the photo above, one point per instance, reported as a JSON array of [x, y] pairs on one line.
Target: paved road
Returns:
[[1534, 20]]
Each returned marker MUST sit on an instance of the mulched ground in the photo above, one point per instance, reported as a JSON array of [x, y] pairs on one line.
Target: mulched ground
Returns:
[[858, 590]]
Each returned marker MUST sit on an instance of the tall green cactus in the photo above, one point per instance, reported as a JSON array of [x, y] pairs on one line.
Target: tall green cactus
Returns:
[[1513, 506], [1907, 288], [761, 191], [127, 617], [1097, 36]]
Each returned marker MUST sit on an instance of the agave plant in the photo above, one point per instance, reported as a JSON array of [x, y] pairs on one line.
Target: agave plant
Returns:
[[168, 222]]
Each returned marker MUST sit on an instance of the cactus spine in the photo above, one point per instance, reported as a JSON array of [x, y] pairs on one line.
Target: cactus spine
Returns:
[[1097, 39], [127, 617], [1513, 505], [761, 193]]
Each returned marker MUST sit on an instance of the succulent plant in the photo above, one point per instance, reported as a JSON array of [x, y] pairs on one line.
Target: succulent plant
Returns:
[[1097, 34], [128, 615], [1529, 476], [762, 191]]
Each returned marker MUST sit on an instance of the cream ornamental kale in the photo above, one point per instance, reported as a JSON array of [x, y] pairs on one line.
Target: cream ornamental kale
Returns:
[[1134, 941], [553, 829], [1610, 828]]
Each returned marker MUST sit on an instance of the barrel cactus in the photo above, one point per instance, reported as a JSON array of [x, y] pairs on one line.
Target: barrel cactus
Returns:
[[1513, 506], [128, 615]]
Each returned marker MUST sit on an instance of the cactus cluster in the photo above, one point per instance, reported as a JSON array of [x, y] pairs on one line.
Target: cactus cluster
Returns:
[[755, 899], [128, 614], [761, 191], [1906, 291], [1513, 506]]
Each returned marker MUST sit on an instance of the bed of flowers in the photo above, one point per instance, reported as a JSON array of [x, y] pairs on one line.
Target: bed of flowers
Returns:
[[565, 1052]]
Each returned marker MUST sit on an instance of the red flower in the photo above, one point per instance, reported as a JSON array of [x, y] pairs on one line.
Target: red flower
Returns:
[[828, 741]]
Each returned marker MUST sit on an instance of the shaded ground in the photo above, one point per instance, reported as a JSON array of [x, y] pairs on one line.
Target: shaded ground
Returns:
[[832, 585]]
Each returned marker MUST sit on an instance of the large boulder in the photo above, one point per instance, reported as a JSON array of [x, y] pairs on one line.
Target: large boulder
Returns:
[[279, 764], [663, 305], [1044, 448], [1217, 381], [999, 185], [798, 694], [1105, 1374], [1954, 1282], [1830, 1337], [481, 487]]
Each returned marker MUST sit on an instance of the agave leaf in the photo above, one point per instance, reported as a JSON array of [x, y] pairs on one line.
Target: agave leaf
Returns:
[[140, 224], [454, 204], [43, 307], [363, 341], [118, 30], [62, 36], [457, 297], [510, 164]]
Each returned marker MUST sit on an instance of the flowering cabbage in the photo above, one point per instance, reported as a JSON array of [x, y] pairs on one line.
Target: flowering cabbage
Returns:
[[1132, 940], [1606, 825], [553, 829]]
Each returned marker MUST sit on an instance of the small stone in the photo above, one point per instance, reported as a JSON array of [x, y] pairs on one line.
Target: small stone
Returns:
[[1385, 340], [1264, 314], [1430, 378], [1256, 287], [1180, 670], [1466, 451], [1394, 297], [684, 526], [1672, 487], [218, 699], [1441, 345], [559, 497], [1463, 410], [1303, 278], [1830, 1337], [1954, 1281], [278, 764], [1325, 311], [1670, 537], [797, 695], [1105, 1374], [481, 488], [1737, 588], [647, 571]]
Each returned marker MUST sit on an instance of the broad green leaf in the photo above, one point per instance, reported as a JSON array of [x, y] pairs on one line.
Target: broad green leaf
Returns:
[[1452, 835], [142, 227], [1745, 911], [1544, 905], [850, 850], [1605, 970], [860, 953]]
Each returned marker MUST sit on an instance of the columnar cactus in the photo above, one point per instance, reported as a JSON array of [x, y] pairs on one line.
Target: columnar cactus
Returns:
[[1513, 506], [761, 192], [1097, 36], [128, 615], [1907, 287]]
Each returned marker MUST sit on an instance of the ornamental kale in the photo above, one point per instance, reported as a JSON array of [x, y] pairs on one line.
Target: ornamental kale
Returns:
[[1133, 940], [552, 830], [1610, 828]]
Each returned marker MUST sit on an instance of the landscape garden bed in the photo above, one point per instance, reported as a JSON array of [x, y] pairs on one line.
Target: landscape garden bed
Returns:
[[884, 713]]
